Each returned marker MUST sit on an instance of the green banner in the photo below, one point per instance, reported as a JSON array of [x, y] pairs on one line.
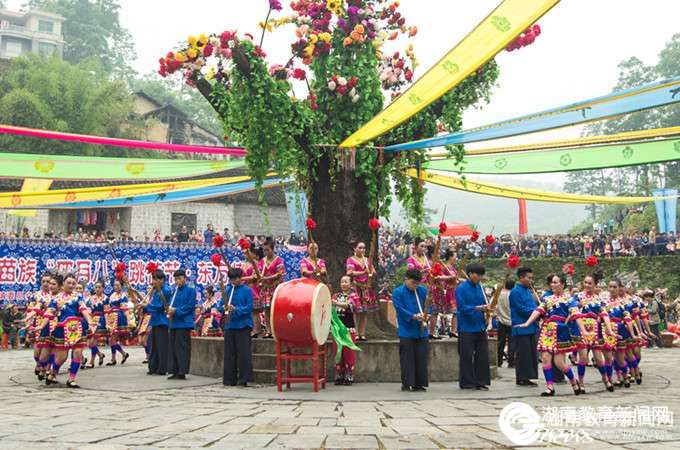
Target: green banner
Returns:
[[55, 167], [565, 159]]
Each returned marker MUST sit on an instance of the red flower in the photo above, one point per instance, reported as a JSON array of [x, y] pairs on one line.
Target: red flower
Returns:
[[474, 236], [310, 224], [591, 261], [218, 241], [442, 228], [513, 261], [120, 275], [489, 239], [352, 82], [207, 50], [216, 259], [408, 74], [342, 90], [120, 267], [151, 267], [568, 269], [259, 52], [436, 270], [299, 74], [244, 244], [373, 224]]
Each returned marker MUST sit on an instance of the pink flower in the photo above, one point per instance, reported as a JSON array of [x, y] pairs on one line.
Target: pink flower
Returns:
[[342, 90], [299, 74], [275, 5], [207, 50]]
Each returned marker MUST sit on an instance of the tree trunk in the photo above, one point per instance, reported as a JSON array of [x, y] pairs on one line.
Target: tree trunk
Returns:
[[342, 213]]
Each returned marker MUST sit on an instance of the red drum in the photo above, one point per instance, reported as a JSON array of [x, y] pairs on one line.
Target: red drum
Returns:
[[301, 312]]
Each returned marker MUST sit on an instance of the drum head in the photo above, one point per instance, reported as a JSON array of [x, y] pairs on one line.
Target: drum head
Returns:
[[321, 313]]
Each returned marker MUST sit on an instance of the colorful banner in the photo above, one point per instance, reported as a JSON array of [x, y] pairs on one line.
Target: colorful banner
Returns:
[[565, 160], [615, 104], [31, 185], [12, 200], [57, 167], [501, 190], [496, 31], [627, 136], [118, 142], [666, 209], [23, 261], [180, 196]]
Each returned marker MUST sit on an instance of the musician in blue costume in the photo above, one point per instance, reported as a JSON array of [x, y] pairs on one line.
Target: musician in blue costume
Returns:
[[237, 308], [472, 339], [555, 337], [181, 315], [409, 303], [70, 334], [160, 339], [523, 302]]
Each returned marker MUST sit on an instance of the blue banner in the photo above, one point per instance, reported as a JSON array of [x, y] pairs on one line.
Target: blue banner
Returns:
[[296, 202], [22, 261], [666, 209]]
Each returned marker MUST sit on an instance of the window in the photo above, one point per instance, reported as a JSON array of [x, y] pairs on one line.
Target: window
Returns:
[[45, 26], [13, 49], [46, 49]]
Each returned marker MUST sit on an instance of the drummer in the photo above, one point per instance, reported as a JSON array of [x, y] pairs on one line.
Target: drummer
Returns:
[[237, 310]]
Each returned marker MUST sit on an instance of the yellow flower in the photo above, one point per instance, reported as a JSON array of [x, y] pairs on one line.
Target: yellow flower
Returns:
[[203, 39], [347, 42], [309, 50], [313, 39], [192, 53], [192, 40], [334, 6], [181, 57], [267, 26], [326, 37], [211, 74], [359, 28]]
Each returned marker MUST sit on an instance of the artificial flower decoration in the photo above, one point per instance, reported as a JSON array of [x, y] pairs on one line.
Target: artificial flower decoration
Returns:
[[310, 224], [513, 261], [436, 270], [591, 261], [526, 38], [218, 241], [489, 239], [443, 227], [275, 5], [120, 267], [568, 269], [373, 224], [216, 259], [151, 267], [120, 275], [244, 244], [474, 236]]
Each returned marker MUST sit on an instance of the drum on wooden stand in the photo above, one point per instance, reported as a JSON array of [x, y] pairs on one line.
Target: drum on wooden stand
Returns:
[[301, 312]]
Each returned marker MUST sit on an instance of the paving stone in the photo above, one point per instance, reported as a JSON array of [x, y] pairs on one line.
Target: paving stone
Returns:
[[407, 442], [272, 429], [353, 442], [297, 441], [321, 430], [243, 441]]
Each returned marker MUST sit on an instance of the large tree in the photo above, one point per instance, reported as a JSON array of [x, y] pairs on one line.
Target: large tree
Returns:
[[52, 94], [340, 60], [92, 30]]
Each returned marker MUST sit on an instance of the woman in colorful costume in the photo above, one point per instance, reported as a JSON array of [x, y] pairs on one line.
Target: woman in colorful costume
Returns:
[[555, 337], [33, 320], [361, 271], [99, 335], [623, 321], [272, 271], [117, 322], [444, 279], [250, 279], [212, 318], [312, 266], [44, 330]]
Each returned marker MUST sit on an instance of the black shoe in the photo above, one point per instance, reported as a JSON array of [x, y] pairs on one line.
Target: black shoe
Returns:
[[467, 387], [482, 388], [610, 387], [548, 393], [511, 365], [41, 376], [127, 355], [582, 390], [111, 363], [626, 384], [101, 359], [420, 388], [146, 361], [72, 384], [576, 389], [181, 377], [406, 388], [339, 380], [349, 380], [240, 384], [172, 377], [638, 379], [150, 373], [526, 383]]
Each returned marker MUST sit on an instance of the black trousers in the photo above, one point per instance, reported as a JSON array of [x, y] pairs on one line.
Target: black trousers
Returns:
[[238, 361], [526, 363], [180, 351], [159, 341], [413, 362], [473, 351], [505, 335], [656, 337]]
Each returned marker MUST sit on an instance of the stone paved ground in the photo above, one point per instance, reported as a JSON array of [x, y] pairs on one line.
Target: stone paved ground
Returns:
[[121, 407]]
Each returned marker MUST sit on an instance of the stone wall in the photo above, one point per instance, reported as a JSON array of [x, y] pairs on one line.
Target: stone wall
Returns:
[[37, 224], [146, 219], [250, 219]]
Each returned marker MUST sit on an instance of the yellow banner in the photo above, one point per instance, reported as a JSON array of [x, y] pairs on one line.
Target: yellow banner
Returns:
[[31, 185], [10, 200], [501, 190], [500, 27]]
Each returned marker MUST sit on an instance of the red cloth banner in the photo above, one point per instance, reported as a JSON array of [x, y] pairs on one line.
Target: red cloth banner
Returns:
[[523, 224]]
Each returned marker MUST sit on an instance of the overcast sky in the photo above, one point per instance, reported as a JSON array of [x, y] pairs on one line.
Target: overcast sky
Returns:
[[574, 58]]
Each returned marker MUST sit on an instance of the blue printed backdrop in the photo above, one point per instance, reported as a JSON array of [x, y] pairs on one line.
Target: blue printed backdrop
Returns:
[[22, 262]]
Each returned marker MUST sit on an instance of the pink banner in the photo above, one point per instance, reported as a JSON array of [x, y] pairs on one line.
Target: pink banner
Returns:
[[523, 224], [118, 142]]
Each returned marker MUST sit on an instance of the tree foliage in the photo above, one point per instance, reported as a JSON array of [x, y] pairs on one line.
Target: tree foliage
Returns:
[[92, 30], [52, 94], [642, 179]]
